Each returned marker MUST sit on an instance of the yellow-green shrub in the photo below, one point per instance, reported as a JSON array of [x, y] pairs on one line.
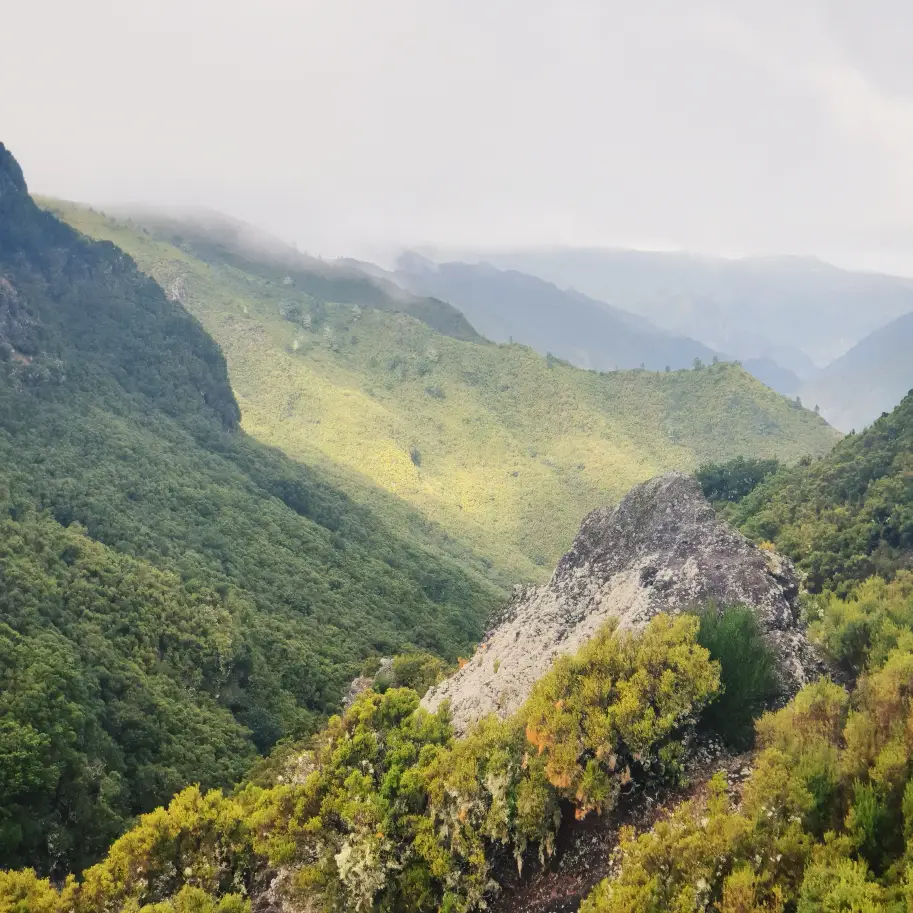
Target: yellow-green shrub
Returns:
[[398, 815], [859, 632], [386, 811], [830, 802], [618, 705]]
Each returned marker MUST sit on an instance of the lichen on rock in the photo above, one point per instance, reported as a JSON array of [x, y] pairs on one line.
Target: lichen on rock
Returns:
[[662, 549]]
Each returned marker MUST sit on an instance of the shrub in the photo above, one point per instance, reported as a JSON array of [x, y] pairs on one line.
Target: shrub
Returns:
[[748, 671], [418, 671], [616, 705], [860, 632]]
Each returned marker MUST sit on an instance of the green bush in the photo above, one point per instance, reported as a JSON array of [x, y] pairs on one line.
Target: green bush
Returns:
[[418, 670], [860, 632], [827, 805], [748, 671]]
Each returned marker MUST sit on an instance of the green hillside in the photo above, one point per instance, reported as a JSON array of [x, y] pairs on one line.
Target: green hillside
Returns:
[[174, 596], [848, 515], [505, 449]]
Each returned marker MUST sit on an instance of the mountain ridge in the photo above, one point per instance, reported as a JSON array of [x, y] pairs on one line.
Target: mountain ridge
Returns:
[[215, 236], [504, 448], [868, 380], [175, 596], [508, 304], [742, 307]]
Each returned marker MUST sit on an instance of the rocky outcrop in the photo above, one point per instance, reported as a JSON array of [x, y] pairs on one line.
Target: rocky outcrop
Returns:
[[363, 683], [662, 549]]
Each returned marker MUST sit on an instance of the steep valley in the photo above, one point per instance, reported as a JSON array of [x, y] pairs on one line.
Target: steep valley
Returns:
[[502, 448]]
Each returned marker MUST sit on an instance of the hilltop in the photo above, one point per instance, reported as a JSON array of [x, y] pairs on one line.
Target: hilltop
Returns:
[[503, 448]]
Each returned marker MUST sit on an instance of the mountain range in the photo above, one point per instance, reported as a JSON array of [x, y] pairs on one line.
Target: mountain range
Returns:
[[867, 381], [254, 506], [851, 392], [798, 311], [502, 447], [505, 305]]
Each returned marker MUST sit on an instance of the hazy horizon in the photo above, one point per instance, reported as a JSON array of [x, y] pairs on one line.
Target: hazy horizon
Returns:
[[721, 129]]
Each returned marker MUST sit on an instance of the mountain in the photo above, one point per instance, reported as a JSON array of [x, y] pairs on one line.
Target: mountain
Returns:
[[503, 448], [617, 785], [215, 236], [798, 311], [506, 305], [175, 597], [870, 379], [846, 516]]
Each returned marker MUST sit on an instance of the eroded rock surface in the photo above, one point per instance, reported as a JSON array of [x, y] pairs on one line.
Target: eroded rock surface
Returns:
[[662, 549]]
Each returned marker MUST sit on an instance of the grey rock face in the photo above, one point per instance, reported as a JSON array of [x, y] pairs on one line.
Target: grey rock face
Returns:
[[662, 549], [359, 685]]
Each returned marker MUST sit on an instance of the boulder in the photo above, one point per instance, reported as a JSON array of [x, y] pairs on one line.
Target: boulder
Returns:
[[662, 549]]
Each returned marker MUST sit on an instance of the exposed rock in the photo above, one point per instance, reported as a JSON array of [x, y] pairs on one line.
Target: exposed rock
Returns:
[[176, 290], [17, 326], [662, 549], [364, 682]]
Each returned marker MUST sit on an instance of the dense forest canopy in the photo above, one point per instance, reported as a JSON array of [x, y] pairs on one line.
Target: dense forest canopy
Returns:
[[385, 810], [182, 595], [842, 518]]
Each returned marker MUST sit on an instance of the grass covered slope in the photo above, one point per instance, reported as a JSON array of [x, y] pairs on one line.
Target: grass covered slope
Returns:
[[848, 515], [215, 596], [503, 448]]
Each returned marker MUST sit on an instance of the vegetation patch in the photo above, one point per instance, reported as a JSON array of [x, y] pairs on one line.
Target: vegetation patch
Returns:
[[748, 671], [515, 447], [387, 811]]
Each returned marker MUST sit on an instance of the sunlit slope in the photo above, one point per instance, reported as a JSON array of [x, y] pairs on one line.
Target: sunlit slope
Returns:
[[504, 448]]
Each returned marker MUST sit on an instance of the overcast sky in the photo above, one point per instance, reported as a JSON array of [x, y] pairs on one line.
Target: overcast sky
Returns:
[[711, 125]]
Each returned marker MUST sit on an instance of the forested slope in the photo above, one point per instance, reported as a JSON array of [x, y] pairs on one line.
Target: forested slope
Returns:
[[214, 596], [503, 448], [848, 515]]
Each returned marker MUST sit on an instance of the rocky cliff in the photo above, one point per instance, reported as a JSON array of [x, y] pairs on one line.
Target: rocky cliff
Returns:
[[662, 549]]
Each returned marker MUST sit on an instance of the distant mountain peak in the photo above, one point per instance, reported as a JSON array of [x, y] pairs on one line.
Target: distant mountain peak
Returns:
[[509, 305], [411, 262], [12, 179]]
